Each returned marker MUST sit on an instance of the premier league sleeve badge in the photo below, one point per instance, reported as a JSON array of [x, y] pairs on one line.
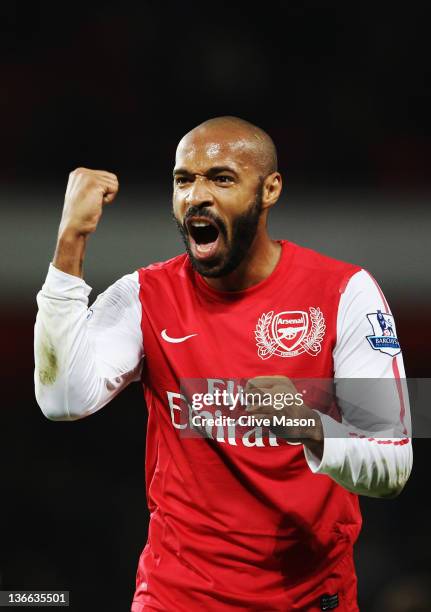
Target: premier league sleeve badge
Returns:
[[384, 337]]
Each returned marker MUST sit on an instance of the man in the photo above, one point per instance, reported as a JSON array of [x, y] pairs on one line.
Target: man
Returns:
[[241, 518]]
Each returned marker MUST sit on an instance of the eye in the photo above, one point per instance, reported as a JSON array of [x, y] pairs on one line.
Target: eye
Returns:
[[223, 178], [181, 180]]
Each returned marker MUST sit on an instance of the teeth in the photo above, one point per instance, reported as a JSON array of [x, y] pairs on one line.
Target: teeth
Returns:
[[200, 223]]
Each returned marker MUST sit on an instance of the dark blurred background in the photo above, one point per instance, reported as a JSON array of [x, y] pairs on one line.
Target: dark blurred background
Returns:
[[344, 90]]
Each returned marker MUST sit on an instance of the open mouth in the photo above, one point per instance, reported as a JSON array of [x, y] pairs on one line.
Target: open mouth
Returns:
[[204, 237]]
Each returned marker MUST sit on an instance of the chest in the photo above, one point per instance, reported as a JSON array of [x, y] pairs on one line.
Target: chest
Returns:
[[189, 335]]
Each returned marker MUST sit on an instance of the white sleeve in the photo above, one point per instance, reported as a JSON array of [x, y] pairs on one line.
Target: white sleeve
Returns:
[[367, 348], [84, 357]]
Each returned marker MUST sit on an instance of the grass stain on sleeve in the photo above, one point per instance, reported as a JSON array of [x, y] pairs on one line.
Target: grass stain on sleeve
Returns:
[[48, 368]]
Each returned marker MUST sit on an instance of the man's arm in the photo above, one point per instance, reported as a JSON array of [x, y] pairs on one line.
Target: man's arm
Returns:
[[86, 193], [375, 465], [84, 357]]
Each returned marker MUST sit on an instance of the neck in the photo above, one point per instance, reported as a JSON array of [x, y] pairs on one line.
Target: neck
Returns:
[[258, 264]]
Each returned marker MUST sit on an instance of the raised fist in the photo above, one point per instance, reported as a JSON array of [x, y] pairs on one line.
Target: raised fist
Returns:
[[87, 191]]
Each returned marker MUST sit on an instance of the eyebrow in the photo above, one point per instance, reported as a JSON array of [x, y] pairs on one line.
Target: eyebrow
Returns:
[[211, 172]]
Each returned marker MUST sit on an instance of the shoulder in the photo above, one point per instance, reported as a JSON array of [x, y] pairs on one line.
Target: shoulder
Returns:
[[309, 258], [323, 267], [168, 265], [122, 294], [176, 267], [124, 284], [355, 284], [362, 288]]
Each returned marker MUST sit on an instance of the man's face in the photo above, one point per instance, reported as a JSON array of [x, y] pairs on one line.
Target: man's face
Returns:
[[217, 200]]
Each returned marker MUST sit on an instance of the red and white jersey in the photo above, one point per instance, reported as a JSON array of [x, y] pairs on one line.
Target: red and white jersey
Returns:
[[242, 522]]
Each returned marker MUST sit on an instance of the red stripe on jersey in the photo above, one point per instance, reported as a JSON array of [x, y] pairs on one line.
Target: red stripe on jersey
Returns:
[[395, 368], [396, 372], [395, 442], [385, 304], [400, 442]]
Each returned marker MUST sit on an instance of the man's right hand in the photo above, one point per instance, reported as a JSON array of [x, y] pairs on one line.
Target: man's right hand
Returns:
[[87, 191]]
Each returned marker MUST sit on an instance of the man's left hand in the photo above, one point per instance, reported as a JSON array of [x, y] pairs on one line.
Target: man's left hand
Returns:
[[286, 401]]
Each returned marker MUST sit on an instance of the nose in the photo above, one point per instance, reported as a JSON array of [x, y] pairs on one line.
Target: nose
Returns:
[[199, 195]]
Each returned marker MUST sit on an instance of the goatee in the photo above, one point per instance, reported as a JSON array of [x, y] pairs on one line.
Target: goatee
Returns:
[[244, 230]]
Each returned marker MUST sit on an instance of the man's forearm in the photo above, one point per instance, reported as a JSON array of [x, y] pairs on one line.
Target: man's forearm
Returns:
[[315, 441], [86, 193], [69, 253], [368, 465]]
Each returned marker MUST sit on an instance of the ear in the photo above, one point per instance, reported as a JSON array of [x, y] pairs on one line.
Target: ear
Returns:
[[271, 189]]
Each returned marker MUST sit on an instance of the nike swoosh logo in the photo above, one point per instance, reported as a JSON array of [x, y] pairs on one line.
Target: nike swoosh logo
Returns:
[[175, 340]]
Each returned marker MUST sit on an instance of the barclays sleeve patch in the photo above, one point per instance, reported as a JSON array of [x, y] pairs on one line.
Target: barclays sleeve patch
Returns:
[[384, 337]]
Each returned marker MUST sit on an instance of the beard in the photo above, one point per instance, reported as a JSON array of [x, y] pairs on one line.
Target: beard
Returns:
[[244, 228]]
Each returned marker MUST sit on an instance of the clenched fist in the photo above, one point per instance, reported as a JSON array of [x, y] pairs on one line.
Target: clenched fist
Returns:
[[87, 191], [287, 402]]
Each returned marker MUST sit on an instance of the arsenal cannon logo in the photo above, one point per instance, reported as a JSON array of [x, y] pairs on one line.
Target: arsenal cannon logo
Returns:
[[290, 333]]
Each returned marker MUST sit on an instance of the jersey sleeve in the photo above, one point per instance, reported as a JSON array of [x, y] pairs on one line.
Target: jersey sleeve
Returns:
[[369, 452], [85, 356]]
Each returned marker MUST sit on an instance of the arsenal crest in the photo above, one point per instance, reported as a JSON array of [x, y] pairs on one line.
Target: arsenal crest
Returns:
[[290, 333]]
